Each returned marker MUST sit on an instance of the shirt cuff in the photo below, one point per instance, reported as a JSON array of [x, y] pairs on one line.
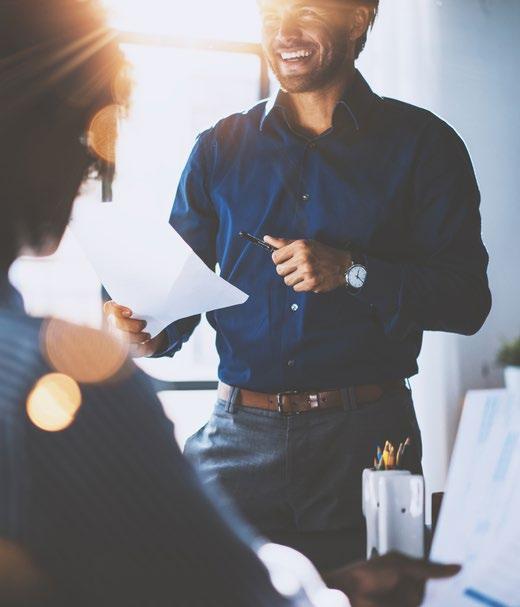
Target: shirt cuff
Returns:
[[295, 577], [174, 342]]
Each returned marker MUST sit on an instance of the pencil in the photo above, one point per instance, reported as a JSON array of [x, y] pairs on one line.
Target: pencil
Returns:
[[407, 443], [399, 455]]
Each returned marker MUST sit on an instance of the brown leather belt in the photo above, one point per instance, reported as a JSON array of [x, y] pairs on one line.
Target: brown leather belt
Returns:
[[289, 403]]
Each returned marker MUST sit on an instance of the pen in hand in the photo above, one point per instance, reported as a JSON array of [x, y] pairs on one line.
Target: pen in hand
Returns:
[[257, 241]]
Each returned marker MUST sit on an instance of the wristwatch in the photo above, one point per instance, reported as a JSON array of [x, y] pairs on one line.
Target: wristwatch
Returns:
[[356, 275]]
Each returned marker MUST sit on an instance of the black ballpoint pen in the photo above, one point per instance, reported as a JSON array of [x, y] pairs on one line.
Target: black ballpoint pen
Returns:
[[257, 241]]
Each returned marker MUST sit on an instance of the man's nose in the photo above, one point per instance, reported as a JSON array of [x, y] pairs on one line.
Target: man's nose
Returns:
[[288, 28]]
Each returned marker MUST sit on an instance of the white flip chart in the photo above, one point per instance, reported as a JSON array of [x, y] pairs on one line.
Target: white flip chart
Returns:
[[479, 524], [145, 265]]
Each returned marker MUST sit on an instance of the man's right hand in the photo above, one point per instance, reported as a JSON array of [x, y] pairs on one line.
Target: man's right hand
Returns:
[[133, 330], [392, 580]]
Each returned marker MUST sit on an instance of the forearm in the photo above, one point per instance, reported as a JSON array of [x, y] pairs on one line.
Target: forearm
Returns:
[[435, 296]]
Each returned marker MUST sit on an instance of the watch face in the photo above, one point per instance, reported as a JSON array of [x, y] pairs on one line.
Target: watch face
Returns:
[[356, 276]]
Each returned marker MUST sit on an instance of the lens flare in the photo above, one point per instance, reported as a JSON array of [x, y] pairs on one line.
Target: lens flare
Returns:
[[102, 132], [54, 402], [86, 355]]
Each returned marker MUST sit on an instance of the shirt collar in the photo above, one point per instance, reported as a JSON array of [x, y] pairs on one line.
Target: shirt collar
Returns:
[[273, 106], [9, 297], [357, 100]]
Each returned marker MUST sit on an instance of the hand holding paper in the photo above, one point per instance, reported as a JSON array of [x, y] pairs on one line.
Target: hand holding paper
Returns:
[[134, 330], [146, 266]]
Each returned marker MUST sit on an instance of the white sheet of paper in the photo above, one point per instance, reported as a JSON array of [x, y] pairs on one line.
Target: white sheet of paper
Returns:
[[145, 265], [479, 526]]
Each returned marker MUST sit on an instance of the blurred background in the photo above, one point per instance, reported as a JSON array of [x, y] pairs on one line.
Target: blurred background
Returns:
[[194, 63]]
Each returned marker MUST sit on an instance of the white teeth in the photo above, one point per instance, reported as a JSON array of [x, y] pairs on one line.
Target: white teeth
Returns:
[[295, 54]]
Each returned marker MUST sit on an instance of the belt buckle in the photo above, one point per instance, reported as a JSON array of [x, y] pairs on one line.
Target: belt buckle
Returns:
[[279, 400]]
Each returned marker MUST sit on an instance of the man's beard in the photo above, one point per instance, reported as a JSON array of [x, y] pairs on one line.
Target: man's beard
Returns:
[[321, 76]]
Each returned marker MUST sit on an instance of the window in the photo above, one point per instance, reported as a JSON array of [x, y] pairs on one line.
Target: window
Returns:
[[223, 20]]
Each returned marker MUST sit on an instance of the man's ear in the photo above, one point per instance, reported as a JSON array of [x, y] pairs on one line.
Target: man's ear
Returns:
[[361, 19]]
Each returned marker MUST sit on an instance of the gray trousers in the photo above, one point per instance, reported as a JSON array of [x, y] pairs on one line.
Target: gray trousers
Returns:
[[297, 478]]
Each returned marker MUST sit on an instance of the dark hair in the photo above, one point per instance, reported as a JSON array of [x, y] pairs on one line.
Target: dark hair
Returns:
[[59, 66], [360, 45]]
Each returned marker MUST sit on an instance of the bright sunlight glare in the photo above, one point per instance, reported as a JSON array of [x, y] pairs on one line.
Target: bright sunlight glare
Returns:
[[235, 20]]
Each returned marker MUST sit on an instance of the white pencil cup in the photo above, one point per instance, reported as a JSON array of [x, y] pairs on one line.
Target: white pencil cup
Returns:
[[393, 506]]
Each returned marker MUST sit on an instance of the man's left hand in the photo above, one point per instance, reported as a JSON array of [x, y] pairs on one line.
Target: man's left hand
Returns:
[[307, 265]]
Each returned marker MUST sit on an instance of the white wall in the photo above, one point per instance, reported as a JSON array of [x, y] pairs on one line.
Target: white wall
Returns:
[[461, 59]]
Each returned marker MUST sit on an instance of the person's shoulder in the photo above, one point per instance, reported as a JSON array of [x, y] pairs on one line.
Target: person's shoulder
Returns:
[[88, 355], [100, 363], [236, 123], [415, 120], [429, 138], [34, 347]]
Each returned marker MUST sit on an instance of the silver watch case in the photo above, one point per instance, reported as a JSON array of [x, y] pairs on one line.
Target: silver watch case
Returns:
[[355, 276]]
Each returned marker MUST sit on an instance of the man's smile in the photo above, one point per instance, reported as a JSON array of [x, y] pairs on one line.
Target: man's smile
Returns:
[[296, 54]]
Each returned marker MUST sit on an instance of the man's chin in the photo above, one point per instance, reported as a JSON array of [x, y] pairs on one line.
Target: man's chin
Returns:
[[305, 82], [297, 84]]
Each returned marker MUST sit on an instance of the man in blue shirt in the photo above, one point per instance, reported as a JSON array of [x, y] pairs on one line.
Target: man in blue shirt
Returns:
[[373, 209]]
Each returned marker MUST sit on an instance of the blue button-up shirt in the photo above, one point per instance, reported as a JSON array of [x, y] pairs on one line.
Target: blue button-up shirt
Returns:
[[393, 180]]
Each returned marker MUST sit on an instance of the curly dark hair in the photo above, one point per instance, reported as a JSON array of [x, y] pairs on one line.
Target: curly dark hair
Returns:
[[59, 66], [374, 4]]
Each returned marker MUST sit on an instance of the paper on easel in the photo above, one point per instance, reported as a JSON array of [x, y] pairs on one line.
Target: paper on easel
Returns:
[[479, 525], [145, 265]]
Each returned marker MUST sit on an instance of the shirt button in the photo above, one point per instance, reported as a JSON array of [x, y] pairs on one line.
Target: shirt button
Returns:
[[294, 307], [290, 363], [312, 145], [305, 197]]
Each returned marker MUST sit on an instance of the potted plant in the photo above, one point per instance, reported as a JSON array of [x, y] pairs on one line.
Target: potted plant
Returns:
[[509, 358]]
